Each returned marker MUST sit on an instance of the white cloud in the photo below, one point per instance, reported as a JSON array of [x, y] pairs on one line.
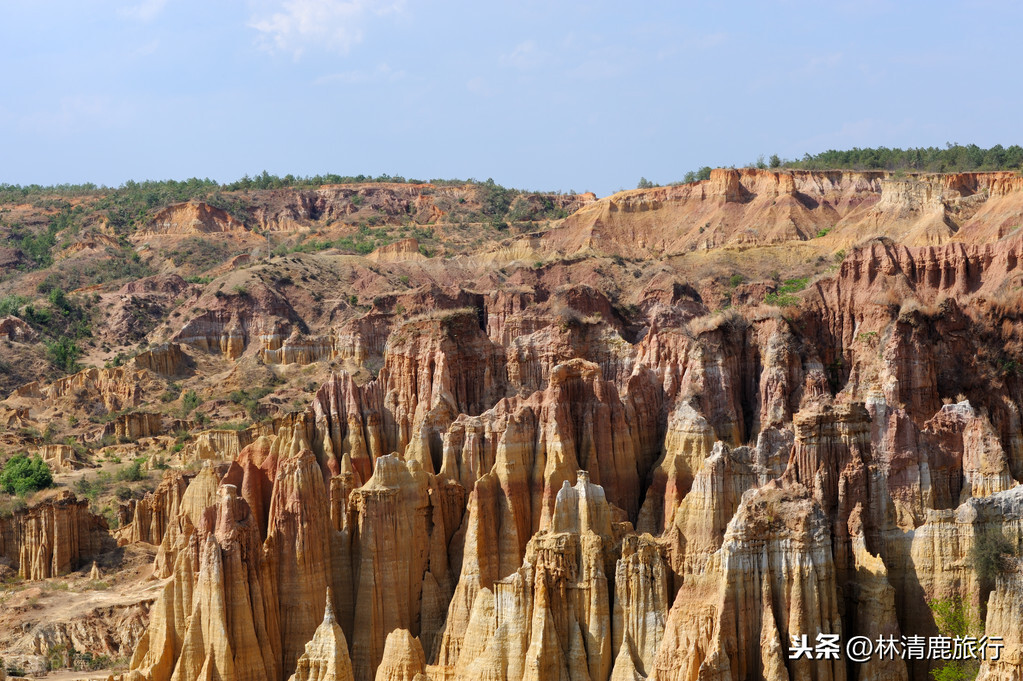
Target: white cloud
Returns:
[[336, 25], [525, 55], [145, 10]]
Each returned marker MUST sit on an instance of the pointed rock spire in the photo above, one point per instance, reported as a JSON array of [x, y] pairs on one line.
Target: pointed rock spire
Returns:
[[326, 655]]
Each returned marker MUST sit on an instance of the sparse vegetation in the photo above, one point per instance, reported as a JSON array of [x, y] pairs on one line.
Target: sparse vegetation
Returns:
[[37, 247], [989, 548], [200, 254], [132, 472], [786, 296], [249, 400], [955, 617], [697, 175], [11, 305], [172, 393], [63, 322], [950, 159], [95, 487], [63, 354], [189, 401], [63, 656]]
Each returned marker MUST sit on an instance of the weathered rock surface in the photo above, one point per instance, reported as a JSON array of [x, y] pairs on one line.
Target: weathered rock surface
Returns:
[[403, 658], [116, 389], [751, 206], [1004, 614], [60, 458], [167, 359], [773, 576], [326, 654], [217, 445], [17, 330], [52, 538], [192, 217], [135, 425], [149, 519]]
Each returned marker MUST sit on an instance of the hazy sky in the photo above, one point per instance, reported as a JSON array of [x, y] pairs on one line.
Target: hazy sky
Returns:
[[537, 95]]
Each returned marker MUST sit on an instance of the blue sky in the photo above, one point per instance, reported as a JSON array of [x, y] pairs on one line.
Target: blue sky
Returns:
[[537, 95]]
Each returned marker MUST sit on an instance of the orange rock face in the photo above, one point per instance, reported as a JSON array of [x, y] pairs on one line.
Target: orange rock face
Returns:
[[192, 217], [149, 519], [756, 207], [53, 538]]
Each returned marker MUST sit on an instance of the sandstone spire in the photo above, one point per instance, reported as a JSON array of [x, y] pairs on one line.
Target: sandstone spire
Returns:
[[326, 654], [403, 657]]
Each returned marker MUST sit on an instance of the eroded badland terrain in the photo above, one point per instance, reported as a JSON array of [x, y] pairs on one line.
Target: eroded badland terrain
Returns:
[[445, 433]]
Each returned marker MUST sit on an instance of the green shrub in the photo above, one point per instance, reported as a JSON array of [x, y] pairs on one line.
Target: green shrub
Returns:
[[793, 285], [11, 305], [91, 489], [190, 401], [781, 299], [955, 618], [22, 475], [249, 400], [132, 472], [200, 253], [785, 295], [63, 353], [988, 549], [172, 393], [697, 175], [950, 159]]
